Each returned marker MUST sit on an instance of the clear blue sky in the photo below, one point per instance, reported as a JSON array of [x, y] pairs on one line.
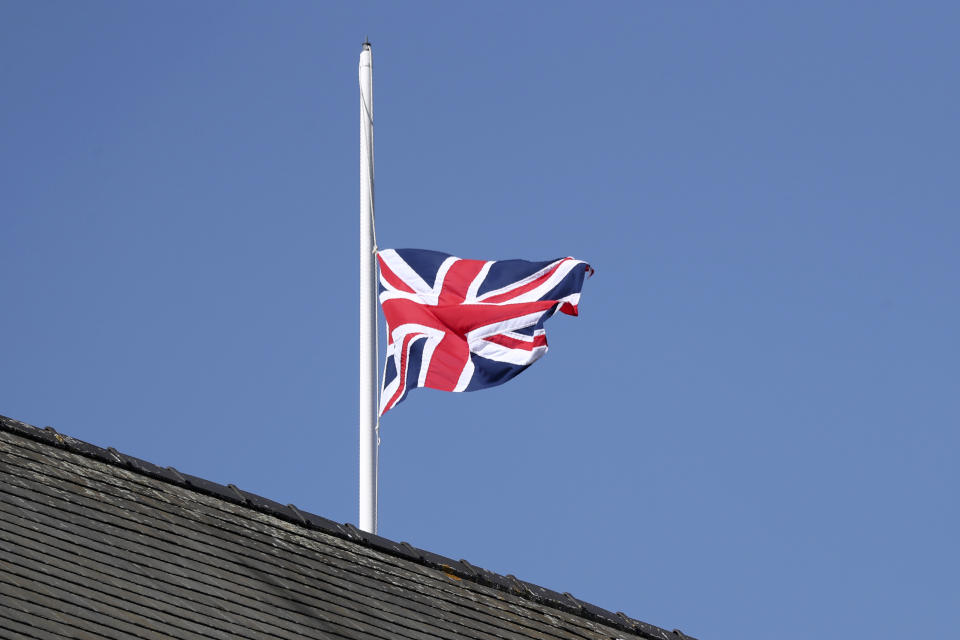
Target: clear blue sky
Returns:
[[751, 431]]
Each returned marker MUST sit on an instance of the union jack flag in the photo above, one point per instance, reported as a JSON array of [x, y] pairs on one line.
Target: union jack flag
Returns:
[[463, 325]]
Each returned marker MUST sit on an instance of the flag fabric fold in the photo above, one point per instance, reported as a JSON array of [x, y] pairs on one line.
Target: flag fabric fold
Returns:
[[464, 325]]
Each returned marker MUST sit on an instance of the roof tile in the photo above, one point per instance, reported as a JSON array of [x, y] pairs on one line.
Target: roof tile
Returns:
[[90, 555]]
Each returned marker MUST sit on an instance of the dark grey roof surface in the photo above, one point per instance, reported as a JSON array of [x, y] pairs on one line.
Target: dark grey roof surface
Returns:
[[97, 544]]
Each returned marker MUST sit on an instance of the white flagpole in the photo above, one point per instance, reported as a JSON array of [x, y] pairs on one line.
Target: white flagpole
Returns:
[[368, 305]]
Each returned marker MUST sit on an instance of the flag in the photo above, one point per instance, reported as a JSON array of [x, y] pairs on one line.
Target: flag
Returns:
[[464, 325]]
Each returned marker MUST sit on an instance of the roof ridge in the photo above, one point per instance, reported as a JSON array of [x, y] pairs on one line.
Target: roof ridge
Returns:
[[290, 513]]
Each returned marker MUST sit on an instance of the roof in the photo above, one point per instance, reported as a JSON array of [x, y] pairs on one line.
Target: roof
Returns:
[[98, 544]]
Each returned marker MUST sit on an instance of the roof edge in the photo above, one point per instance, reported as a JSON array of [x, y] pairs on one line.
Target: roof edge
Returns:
[[290, 513]]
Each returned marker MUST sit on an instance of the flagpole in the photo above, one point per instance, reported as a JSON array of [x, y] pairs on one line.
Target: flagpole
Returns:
[[368, 304]]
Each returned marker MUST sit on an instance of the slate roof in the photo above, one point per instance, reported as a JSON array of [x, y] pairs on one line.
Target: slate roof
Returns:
[[98, 544]]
